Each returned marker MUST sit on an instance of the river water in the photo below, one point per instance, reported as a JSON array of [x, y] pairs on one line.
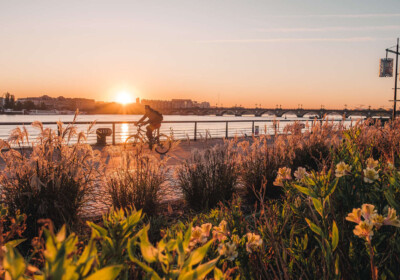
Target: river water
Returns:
[[207, 126]]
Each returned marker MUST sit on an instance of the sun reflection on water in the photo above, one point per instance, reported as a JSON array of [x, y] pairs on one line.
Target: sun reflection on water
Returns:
[[124, 132]]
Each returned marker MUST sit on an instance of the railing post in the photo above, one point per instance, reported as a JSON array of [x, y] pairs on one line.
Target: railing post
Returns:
[[113, 135], [226, 131], [252, 127], [195, 131]]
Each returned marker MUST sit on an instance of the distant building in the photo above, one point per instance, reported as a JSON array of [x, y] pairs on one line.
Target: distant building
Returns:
[[61, 103], [157, 104], [202, 105], [174, 104], [182, 103]]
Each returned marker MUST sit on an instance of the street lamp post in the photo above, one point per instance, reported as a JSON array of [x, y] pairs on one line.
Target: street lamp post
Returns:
[[396, 75]]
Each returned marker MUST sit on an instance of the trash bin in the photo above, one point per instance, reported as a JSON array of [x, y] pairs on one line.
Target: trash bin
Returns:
[[102, 134]]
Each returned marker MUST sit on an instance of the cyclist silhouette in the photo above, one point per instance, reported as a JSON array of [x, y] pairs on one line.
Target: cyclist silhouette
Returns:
[[154, 120]]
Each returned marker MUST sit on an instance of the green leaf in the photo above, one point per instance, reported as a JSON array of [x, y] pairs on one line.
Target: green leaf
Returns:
[[392, 200], [335, 236], [149, 252], [98, 229], [151, 272], [181, 251], [107, 273], [304, 190], [317, 206], [60, 237], [218, 275], [15, 243], [130, 248], [305, 242], [198, 255], [331, 189], [88, 257], [14, 263], [314, 227], [200, 272], [188, 235]]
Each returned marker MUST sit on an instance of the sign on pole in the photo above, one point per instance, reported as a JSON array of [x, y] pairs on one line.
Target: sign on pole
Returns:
[[386, 67]]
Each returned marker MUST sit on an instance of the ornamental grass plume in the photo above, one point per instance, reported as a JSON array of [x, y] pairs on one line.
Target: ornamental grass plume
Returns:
[[137, 181], [55, 180]]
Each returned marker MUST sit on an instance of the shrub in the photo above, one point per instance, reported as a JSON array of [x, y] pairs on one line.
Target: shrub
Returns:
[[137, 181], [259, 163], [54, 180], [208, 177], [172, 258], [261, 158]]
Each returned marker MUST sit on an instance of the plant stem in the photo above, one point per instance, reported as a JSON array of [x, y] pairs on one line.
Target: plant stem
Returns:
[[374, 270]]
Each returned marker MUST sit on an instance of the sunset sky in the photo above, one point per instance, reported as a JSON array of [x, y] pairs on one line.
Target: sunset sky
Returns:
[[226, 51]]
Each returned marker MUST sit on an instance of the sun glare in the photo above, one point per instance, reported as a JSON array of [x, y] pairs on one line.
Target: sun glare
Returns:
[[124, 97]]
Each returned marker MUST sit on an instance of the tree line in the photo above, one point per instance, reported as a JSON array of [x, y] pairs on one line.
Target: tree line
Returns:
[[10, 103]]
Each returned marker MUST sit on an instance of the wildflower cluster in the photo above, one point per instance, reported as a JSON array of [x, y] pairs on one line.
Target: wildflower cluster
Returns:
[[365, 228], [228, 244]]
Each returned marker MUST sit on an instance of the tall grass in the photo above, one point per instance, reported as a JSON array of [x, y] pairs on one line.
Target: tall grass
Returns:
[[137, 181], [53, 180], [209, 177]]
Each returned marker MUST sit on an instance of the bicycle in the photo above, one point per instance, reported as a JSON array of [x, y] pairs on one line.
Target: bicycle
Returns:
[[162, 142]]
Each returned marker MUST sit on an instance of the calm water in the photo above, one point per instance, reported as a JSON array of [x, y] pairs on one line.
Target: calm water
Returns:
[[180, 130]]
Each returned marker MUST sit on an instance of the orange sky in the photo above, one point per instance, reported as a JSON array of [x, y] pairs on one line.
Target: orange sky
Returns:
[[228, 52]]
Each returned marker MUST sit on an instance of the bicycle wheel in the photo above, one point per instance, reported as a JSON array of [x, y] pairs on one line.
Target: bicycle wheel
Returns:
[[163, 144], [132, 141]]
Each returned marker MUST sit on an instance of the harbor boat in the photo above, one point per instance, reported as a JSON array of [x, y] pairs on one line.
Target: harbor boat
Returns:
[[14, 112], [44, 112]]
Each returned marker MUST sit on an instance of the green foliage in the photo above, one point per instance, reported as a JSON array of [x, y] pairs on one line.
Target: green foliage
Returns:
[[62, 260], [119, 226], [172, 258]]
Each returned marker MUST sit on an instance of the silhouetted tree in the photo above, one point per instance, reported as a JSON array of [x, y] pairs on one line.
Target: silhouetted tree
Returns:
[[7, 100], [12, 101], [18, 106]]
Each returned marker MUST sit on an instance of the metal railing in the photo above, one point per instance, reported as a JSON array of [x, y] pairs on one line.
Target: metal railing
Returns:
[[190, 130]]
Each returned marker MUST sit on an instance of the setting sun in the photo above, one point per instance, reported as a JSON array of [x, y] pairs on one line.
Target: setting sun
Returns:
[[124, 97]]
